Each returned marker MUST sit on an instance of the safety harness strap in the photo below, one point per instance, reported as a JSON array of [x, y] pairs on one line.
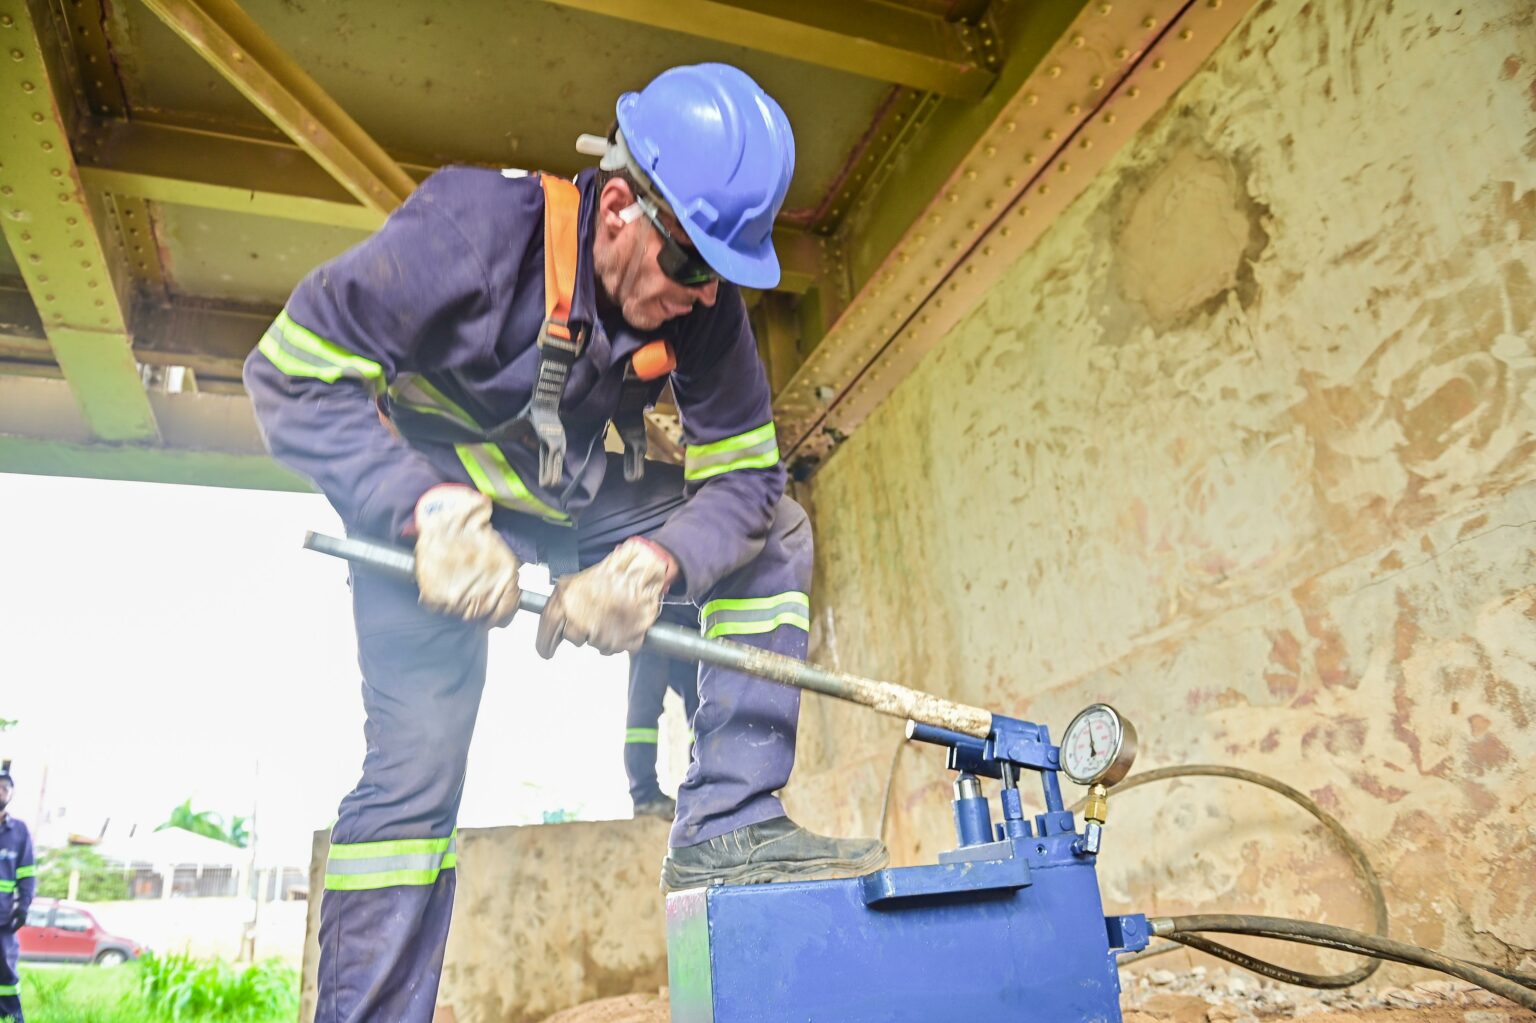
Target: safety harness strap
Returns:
[[560, 343]]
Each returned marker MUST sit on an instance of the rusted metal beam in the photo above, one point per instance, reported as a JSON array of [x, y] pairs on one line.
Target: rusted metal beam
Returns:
[[210, 340], [862, 37], [225, 36], [1106, 76], [50, 227]]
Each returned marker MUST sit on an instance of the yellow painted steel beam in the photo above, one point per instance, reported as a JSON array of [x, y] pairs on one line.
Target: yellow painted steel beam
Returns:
[[1112, 70], [50, 228], [862, 37], [225, 36], [224, 171], [209, 440]]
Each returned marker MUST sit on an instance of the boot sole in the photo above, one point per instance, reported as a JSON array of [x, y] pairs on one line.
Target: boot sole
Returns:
[[673, 880]]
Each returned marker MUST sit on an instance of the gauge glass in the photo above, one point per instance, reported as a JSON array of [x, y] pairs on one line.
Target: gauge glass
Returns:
[[1092, 744]]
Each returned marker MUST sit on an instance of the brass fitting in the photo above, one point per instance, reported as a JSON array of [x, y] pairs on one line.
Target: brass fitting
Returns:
[[1097, 808]]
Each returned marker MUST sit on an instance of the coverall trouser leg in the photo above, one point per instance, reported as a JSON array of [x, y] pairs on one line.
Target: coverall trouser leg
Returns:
[[744, 729], [650, 676], [10, 980], [390, 875]]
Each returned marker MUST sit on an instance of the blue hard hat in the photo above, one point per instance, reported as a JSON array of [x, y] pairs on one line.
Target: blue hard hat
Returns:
[[720, 151]]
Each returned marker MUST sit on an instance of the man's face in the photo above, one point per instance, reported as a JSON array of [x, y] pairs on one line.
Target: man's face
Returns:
[[5, 794], [624, 259]]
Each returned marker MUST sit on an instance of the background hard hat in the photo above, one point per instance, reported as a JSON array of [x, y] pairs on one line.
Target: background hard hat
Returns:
[[720, 151]]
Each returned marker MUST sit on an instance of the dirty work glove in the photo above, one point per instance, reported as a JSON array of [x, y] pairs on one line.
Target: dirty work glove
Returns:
[[611, 604], [462, 567]]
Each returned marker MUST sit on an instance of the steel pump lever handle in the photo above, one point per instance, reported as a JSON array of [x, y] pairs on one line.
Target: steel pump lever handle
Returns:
[[687, 645]]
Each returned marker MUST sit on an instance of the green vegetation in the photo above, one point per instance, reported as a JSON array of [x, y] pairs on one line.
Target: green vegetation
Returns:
[[99, 882], [208, 824], [161, 989]]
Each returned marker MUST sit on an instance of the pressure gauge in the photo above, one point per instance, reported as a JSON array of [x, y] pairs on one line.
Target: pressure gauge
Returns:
[[1099, 746]]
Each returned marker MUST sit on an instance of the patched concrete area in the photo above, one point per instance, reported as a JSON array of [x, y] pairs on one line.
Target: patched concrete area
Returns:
[[544, 917], [1247, 446]]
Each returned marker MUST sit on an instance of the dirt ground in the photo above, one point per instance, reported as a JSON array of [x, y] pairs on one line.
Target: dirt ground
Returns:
[[1206, 996]]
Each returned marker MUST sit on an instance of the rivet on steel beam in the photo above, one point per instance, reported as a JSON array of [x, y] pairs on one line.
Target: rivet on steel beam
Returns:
[[1187, 35], [1159, 64], [1149, 22], [47, 146], [1050, 135], [1022, 211], [1009, 125], [1086, 143], [49, 298], [970, 174], [72, 221], [953, 196], [104, 321], [41, 279], [991, 204], [6, 190], [37, 118], [1133, 92], [78, 243], [1079, 41], [986, 250], [1097, 81], [27, 86], [1045, 189], [1066, 168], [34, 258], [990, 151], [18, 55], [1075, 109], [85, 264], [1123, 53], [1031, 159], [1213, 4], [99, 302], [1009, 182], [56, 173], [1104, 9], [1005, 232], [5, 19], [1110, 118], [1054, 71], [26, 236]]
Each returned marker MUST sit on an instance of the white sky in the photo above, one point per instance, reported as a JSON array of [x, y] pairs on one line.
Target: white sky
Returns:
[[157, 642]]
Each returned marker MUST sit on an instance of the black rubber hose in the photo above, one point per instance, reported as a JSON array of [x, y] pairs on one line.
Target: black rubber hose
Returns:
[[1351, 847], [1347, 940]]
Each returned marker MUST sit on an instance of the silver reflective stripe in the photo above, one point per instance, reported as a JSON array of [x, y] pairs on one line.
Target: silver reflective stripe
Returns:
[[381, 864], [416, 394], [755, 449]]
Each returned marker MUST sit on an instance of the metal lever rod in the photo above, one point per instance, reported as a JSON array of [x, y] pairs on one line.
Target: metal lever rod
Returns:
[[685, 644]]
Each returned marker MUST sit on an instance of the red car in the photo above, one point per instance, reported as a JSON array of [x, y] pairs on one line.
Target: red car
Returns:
[[62, 932]]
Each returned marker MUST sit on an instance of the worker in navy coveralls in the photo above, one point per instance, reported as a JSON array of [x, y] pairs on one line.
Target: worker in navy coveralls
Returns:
[[17, 883], [400, 378]]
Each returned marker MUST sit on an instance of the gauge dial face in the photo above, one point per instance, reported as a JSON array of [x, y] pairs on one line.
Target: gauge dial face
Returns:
[[1095, 748]]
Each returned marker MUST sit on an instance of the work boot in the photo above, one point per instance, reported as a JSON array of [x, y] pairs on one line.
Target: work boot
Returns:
[[658, 805], [775, 850]]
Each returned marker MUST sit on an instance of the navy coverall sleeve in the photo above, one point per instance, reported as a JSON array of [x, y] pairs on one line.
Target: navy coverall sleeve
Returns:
[[723, 398], [26, 879], [412, 291]]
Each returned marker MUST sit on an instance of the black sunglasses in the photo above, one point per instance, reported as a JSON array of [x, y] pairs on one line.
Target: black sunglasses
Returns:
[[685, 266]]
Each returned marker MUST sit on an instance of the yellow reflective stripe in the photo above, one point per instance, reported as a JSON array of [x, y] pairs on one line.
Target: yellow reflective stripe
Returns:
[[391, 847], [10, 989], [644, 735], [417, 394], [360, 866], [495, 478], [754, 628], [22, 873], [755, 449], [300, 352], [7, 886], [747, 616]]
